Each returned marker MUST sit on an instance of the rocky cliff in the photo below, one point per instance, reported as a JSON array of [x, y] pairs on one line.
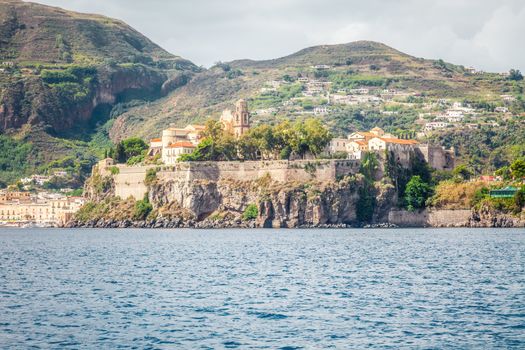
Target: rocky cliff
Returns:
[[224, 203]]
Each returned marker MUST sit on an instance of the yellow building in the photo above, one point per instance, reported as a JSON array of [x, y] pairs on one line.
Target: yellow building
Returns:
[[238, 121], [40, 211]]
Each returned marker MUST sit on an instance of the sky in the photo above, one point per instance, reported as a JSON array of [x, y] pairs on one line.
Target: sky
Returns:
[[485, 34]]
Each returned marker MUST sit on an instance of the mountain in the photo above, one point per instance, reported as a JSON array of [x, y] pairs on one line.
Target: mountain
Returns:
[[355, 64], [61, 73]]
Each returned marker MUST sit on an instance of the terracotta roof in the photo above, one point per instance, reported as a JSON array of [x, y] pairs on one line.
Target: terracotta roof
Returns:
[[182, 144], [360, 142], [156, 140], [399, 141]]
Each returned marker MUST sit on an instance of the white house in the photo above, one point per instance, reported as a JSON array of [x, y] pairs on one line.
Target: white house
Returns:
[[175, 150], [319, 110], [436, 125], [356, 148]]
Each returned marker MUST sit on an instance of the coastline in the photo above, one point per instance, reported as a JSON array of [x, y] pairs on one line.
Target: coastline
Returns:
[[475, 220]]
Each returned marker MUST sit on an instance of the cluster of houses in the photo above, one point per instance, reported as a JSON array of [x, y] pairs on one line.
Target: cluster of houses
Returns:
[[40, 209], [40, 180], [178, 141], [376, 140]]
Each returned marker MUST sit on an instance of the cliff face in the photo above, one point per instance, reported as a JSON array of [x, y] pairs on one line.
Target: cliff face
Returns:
[[222, 204], [32, 101], [486, 217]]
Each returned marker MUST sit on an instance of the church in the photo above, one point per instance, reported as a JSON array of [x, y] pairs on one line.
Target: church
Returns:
[[238, 121]]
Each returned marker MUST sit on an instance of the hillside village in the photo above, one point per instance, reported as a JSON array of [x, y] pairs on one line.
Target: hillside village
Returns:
[[321, 96]]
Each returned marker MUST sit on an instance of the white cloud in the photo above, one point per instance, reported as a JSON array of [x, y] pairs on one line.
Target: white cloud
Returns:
[[482, 33]]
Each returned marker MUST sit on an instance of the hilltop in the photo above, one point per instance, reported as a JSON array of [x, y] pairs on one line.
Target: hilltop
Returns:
[[352, 65]]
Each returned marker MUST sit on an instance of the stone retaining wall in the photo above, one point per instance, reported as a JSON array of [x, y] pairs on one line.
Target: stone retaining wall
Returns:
[[130, 179], [430, 218]]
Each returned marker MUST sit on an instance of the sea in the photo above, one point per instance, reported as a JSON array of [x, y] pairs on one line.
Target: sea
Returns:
[[262, 289]]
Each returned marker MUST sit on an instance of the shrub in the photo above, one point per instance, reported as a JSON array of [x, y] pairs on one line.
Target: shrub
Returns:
[[135, 160], [114, 170], [251, 212], [142, 209], [151, 177]]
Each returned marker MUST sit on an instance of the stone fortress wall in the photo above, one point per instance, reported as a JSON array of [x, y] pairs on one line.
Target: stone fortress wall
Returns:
[[130, 179]]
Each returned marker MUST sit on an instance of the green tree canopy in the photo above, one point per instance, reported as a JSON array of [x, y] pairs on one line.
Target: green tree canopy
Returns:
[[461, 172], [515, 74], [416, 193], [129, 148], [517, 169]]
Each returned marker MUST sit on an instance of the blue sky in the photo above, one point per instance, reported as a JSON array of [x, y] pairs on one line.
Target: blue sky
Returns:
[[486, 34]]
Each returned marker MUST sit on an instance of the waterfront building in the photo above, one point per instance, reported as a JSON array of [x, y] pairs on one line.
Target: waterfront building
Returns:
[[46, 209]]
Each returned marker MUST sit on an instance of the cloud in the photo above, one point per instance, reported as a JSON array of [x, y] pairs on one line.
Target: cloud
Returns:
[[481, 33]]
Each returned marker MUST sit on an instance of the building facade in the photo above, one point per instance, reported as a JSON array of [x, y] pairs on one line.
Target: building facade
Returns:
[[237, 122]]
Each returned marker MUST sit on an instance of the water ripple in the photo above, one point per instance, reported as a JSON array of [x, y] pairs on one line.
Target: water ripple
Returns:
[[262, 289]]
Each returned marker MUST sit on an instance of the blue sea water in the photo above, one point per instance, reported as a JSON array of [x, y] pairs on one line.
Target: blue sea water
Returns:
[[262, 289]]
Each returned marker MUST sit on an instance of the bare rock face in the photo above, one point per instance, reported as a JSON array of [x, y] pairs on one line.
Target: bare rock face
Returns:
[[99, 187], [487, 217], [325, 204], [280, 205], [199, 197]]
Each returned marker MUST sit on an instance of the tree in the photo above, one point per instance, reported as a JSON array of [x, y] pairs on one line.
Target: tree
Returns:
[[128, 148], [369, 164], [519, 199], [515, 74], [288, 78], [461, 172], [517, 169], [416, 193], [316, 136], [504, 172], [366, 202]]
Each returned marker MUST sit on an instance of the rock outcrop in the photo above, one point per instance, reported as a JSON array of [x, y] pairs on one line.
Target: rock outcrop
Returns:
[[202, 203], [486, 217]]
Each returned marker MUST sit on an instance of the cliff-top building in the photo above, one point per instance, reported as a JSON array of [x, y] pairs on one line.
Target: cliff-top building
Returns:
[[376, 140], [237, 122], [175, 142]]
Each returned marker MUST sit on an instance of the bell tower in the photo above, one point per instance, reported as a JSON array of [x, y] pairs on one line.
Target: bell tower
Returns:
[[241, 118]]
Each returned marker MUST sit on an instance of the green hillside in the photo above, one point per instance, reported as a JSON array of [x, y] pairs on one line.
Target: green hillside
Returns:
[[352, 65], [62, 72]]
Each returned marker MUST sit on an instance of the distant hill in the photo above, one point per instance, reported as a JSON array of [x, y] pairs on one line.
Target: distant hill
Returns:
[[32, 33], [358, 63]]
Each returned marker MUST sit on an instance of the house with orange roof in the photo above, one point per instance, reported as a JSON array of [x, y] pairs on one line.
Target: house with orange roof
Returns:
[[185, 139]]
